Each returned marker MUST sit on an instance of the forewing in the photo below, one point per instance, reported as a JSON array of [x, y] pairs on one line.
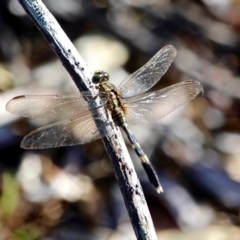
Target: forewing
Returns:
[[58, 107], [150, 107], [149, 74], [74, 131]]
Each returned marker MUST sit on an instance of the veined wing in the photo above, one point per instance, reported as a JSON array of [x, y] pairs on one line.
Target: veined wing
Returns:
[[149, 74], [78, 130], [150, 107], [57, 107]]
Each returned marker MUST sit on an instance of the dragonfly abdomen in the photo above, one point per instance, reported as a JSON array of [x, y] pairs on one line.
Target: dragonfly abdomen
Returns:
[[116, 109], [153, 178]]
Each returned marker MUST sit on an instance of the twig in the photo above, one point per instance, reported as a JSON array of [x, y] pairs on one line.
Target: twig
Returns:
[[111, 135]]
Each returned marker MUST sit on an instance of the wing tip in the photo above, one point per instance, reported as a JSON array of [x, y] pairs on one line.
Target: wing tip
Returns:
[[18, 97], [199, 85], [8, 106], [22, 145], [170, 48], [25, 144]]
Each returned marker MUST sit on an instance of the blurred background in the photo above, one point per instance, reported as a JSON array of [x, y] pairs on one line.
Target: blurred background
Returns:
[[71, 192]]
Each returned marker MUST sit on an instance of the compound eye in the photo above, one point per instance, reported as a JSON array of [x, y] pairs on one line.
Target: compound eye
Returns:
[[100, 76], [96, 78], [106, 75]]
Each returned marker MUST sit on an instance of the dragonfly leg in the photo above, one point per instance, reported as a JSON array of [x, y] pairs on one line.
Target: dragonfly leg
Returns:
[[152, 176]]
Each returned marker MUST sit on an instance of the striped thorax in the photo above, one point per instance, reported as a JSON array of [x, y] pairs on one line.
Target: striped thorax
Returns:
[[113, 98]]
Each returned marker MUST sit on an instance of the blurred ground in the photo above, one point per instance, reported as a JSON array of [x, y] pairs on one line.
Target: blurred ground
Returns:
[[71, 193]]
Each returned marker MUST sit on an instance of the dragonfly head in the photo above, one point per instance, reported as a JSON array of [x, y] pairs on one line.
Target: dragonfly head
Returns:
[[100, 76]]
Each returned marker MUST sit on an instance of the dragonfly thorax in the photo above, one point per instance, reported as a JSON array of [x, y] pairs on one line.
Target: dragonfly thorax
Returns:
[[110, 93]]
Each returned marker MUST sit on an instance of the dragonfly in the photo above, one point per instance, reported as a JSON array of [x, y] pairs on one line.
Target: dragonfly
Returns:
[[130, 102]]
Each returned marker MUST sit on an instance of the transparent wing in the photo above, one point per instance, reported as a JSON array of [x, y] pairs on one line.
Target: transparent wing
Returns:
[[57, 107], [149, 74], [74, 131], [150, 107]]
